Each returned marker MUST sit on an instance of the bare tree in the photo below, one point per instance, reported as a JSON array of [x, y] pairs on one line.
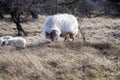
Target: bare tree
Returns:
[[16, 8]]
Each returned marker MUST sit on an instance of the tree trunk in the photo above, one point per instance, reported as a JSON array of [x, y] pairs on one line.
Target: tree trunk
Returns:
[[34, 15], [89, 14], [16, 20], [1, 16], [118, 8]]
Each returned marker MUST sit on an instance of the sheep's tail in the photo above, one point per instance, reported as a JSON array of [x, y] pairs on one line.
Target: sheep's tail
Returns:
[[83, 35]]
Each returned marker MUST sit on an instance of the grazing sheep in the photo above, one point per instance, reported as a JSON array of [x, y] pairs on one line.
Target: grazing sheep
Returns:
[[17, 42], [4, 40], [60, 25]]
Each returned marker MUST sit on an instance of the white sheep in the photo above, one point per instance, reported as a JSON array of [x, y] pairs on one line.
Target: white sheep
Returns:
[[17, 42], [4, 40], [60, 25]]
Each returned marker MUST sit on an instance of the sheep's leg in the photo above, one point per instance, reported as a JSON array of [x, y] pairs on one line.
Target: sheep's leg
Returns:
[[71, 36], [65, 39]]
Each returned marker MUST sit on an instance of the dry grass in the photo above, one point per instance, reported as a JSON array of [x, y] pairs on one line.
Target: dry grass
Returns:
[[96, 59]]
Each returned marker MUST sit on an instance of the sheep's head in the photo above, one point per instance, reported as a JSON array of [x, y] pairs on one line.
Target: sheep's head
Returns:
[[53, 35], [3, 42]]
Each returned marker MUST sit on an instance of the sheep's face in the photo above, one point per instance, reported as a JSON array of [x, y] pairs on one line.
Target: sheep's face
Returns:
[[3, 42], [53, 35]]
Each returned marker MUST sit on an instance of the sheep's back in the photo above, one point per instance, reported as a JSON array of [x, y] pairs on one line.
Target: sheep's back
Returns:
[[66, 23]]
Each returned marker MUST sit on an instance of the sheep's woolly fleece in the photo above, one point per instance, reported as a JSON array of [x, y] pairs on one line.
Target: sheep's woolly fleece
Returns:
[[62, 23], [17, 42]]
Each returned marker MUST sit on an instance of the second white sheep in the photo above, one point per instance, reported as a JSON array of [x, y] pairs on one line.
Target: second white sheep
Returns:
[[17, 42]]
